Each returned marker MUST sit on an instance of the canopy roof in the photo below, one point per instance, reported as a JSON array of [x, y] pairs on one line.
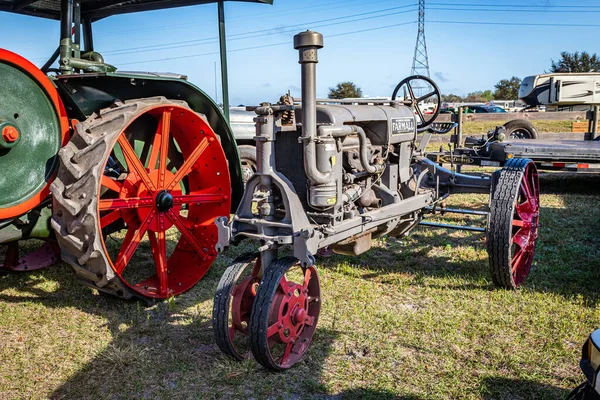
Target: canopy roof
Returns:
[[96, 9]]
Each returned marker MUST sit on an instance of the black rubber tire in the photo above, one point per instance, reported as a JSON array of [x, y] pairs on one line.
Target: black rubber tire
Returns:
[[74, 194], [504, 191], [585, 391], [260, 311], [248, 160], [520, 129], [222, 302]]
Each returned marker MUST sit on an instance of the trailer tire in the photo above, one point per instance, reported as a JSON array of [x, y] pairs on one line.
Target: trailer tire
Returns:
[[520, 129], [248, 160]]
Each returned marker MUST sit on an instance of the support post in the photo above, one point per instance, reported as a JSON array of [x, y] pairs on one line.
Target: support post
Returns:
[[594, 131], [88, 38], [224, 78], [66, 38], [459, 127]]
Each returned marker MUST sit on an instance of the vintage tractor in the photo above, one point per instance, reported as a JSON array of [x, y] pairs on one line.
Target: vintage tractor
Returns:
[[121, 174], [337, 175]]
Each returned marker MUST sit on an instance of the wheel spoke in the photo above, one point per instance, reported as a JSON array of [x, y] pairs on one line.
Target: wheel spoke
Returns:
[[111, 184], [133, 162], [188, 164], [273, 329], [428, 95], [286, 353], [164, 146], [110, 218], [119, 204], [155, 148], [307, 276], [516, 260], [521, 238], [189, 237], [310, 321], [158, 243], [131, 242], [284, 284], [198, 198]]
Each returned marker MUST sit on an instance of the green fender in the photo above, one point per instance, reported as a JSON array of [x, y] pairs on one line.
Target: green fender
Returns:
[[84, 94]]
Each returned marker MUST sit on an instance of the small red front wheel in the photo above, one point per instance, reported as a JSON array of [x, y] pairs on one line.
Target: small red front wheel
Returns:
[[513, 222], [284, 314], [233, 304]]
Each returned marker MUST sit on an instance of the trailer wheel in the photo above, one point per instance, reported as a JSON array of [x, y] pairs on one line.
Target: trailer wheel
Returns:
[[284, 314], [513, 222], [520, 129], [248, 160], [233, 305]]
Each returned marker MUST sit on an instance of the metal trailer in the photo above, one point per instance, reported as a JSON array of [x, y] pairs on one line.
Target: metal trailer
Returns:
[[337, 176], [560, 89], [93, 160]]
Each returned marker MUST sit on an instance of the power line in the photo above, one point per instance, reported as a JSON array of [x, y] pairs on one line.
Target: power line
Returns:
[[254, 34], [515, 24], [266, 45], [247, 35], [513, 10], [243, 18], [509, 5]]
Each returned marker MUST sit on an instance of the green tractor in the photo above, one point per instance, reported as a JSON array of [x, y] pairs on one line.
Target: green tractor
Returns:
[[120, 174]]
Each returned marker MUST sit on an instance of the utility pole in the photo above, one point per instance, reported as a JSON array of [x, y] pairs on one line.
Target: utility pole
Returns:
[[420, 64]]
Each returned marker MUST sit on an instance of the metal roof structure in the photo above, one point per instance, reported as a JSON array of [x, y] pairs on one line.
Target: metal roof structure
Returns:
[[93, 10], [96, 9]]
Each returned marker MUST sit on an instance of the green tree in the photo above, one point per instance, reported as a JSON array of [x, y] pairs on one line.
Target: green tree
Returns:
[[576, 62], [475, 97], [344, 90], [451, 98], [487, 95], [507, 89]]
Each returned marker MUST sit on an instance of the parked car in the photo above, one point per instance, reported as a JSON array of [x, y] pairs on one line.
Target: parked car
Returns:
[[483, 109]]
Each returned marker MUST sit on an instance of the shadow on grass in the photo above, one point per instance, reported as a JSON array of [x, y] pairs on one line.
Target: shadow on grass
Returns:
[[372, 394], [567, 259], [163, 351], [498, 388]]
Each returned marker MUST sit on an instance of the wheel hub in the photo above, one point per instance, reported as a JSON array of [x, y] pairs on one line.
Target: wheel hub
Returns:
[[164, 201], [10, 134], [298, 315]]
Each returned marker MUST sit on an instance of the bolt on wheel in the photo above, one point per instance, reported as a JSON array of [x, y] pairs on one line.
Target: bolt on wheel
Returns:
[[513, 222], [151, 178], [285, 314], [233, 305]]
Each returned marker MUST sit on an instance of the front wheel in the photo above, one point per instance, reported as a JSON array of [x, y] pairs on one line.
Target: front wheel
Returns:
[[285, 314], [513, 222]]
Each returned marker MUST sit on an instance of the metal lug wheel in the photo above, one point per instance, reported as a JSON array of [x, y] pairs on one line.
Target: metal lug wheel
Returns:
[[233, 304], [513, 222], [136, 196], [284, 314]]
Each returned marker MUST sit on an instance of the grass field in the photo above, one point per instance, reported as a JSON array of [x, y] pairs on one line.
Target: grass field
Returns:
[[476, 127], [416, 318]]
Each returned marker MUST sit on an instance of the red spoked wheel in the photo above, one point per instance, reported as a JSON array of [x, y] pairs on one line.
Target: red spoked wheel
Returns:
[[513, 222], [284, 314], [233, 305], [157, 178]]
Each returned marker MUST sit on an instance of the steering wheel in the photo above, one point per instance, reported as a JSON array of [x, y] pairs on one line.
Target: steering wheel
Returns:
[[409, 96]]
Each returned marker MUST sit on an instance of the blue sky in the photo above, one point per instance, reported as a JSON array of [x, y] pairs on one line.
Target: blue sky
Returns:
[[466, 53]]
